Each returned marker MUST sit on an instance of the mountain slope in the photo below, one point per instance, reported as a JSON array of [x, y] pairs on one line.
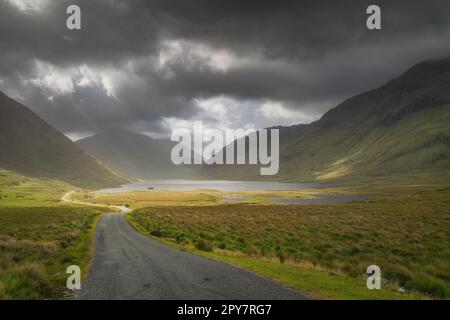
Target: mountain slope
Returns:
[[31, 147], [135, 155], [398, 132]]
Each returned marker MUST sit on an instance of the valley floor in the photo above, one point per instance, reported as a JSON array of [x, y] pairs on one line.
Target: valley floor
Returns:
[[322, 249]]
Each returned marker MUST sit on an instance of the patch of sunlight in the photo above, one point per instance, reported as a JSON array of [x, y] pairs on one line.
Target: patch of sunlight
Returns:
[[336, 170]]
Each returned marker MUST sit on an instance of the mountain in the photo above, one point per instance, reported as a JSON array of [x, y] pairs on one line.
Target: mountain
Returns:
[[397, 132], [31, 147], [136, 155]]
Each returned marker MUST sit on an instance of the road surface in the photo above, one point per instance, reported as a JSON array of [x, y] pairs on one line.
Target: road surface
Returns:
[[129, 265]]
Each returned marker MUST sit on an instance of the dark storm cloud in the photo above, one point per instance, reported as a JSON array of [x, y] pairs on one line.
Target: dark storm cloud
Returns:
[[324, 48], [297, 29], [112, 30], [136, 62]]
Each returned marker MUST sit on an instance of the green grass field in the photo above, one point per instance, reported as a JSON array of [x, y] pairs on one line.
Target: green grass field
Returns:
[[407, 235], [21, 191], [37, 244], [40, 237], [322, 250]]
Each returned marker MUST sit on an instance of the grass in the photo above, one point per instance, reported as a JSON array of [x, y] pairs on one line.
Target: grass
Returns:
[[141, 199], [407, 235], [21, 191], [37, 244], [315, 282], [40, 237]]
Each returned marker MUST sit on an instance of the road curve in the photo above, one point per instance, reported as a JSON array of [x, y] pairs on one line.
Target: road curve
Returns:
[[129, 265]]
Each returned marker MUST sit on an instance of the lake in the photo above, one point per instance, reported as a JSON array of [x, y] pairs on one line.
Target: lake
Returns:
[[225, 186]]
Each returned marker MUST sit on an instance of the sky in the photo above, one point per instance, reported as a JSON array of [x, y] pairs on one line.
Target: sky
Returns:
[[156, 65]]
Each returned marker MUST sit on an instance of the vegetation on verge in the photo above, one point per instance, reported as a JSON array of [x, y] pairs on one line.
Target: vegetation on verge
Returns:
[[37, 244], [406, 235], [40, 237]]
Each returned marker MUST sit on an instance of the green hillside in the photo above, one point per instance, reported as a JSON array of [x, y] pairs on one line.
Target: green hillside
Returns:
[[399, 132], [31, 147]]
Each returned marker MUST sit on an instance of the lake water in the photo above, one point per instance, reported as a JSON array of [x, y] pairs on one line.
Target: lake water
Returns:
[[225, 186]]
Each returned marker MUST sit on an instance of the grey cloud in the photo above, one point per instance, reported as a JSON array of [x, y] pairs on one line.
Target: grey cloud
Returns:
[[308, 55]]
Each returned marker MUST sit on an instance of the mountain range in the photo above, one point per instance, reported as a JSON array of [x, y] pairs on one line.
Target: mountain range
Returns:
[[136, 155], [397, 132]]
